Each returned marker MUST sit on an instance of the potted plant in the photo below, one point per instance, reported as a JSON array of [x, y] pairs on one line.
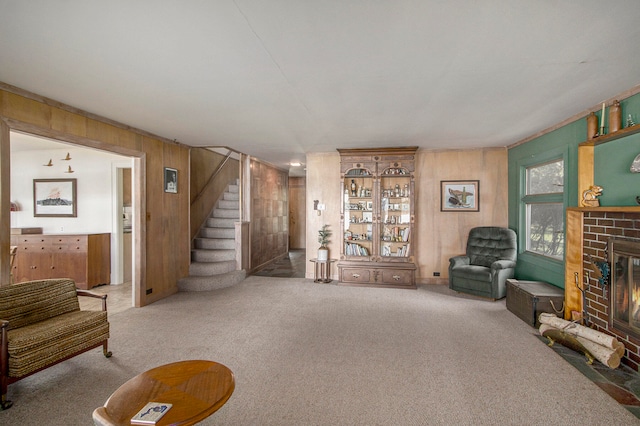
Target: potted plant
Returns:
[[323, 238]]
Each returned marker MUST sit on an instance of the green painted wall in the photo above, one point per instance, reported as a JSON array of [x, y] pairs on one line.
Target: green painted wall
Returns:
[[561, 143], [613, 159], [611, 171]]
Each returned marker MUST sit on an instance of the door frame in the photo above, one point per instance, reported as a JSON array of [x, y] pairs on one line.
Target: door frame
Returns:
[[138, 183]]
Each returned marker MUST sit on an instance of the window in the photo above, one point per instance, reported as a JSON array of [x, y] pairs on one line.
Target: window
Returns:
[[544, 209]]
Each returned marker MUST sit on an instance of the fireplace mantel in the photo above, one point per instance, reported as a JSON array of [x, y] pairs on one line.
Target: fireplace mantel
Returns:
[[631, 209]]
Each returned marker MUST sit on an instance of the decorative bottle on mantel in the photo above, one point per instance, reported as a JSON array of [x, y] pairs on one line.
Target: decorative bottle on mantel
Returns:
[[592, 125], [615, 117]]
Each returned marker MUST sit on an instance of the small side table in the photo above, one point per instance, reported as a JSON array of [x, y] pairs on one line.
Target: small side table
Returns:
[[322, 270]]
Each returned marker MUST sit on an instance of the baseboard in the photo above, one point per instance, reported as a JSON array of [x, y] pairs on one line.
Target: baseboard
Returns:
[[431, 281]]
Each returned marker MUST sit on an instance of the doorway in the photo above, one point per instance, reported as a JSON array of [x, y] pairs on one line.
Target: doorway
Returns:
[[100, 190]]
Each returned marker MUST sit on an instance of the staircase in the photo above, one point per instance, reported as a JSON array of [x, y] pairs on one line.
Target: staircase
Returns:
[[213, 257]]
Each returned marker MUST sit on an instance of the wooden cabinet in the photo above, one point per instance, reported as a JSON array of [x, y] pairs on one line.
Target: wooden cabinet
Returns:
[[377, 217], [84, 258]]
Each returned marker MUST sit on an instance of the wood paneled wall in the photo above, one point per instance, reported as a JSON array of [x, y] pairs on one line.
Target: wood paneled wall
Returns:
[[162, 219], [439, 235], [269, 213], [205, 193], [297, 209]]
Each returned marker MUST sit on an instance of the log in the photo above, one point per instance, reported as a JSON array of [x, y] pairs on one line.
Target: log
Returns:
[[582, 331], [565, 339], [608, 357]]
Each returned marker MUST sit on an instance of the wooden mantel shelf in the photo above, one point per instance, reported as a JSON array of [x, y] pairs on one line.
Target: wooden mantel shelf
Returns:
[[628, 131], [623, 209]]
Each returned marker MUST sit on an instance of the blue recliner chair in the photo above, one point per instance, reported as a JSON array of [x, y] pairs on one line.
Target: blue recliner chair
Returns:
[[490, 260]]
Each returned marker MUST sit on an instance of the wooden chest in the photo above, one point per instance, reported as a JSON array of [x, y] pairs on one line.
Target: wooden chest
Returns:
[[528, 299]]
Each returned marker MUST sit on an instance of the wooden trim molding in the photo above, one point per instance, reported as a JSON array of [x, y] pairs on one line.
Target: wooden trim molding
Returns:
[[56, 104], [624, 95]]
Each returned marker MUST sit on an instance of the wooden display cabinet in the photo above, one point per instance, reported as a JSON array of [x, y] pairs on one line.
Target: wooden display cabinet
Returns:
[[377, 217], [84, 258]]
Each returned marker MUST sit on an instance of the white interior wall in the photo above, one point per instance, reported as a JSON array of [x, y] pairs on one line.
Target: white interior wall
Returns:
[[93, 171], [98, 193]]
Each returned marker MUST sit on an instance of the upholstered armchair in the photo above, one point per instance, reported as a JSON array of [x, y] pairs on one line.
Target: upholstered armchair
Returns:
[[489, 261]]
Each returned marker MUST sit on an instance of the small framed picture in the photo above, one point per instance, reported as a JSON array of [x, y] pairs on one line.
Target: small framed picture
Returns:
[[170, 180], [370, 205], [460, 195], [54, 198], [367, 217]]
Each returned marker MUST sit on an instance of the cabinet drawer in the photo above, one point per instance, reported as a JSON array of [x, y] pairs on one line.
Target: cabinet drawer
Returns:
[[69, 239], [398, 277], [353, 275], [19, 240], [34, 248]]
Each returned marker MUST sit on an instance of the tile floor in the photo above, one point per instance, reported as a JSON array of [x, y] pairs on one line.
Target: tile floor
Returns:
[[291, 266]]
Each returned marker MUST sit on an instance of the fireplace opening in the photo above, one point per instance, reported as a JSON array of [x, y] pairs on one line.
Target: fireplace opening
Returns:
[[624, 257]]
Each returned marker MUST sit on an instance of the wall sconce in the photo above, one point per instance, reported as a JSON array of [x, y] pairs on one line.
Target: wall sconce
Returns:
[[318, 207], [635, 166]]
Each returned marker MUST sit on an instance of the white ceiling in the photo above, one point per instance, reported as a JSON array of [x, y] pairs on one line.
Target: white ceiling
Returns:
[[279, 79]]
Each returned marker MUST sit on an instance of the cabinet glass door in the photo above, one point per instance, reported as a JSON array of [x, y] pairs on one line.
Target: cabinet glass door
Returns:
[[395, 213], [358, 213]]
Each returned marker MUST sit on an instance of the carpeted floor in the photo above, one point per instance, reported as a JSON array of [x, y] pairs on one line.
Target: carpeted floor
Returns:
[[322, 354]]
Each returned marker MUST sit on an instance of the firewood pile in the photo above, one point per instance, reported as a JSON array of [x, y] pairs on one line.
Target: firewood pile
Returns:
[[592, 343]]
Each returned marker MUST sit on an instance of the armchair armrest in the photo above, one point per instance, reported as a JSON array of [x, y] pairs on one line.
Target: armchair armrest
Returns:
[[4, 348], [503, 264], [458, 261], [87, 293]]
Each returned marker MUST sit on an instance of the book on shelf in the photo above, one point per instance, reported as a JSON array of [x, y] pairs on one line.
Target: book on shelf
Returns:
[[151, 413], [353, 249]]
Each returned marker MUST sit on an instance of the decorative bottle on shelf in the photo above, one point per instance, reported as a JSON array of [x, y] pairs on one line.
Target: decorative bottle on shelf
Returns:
[[615, 117], [354, 188], [592, 125]]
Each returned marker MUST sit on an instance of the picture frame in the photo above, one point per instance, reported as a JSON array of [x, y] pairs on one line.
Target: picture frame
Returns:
[[170, 180], [370, 205], [459, 195], [55, 198]]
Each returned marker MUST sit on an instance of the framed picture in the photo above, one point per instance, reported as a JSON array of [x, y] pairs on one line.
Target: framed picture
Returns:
[[370, 205], [459, 195], [170, 180], [367, 217], [54, 198]]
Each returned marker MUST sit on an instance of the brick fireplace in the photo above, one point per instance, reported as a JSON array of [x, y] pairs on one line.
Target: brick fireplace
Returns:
[[599, 228]]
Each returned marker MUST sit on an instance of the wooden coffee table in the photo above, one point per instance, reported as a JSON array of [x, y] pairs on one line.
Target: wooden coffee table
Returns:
[[196, 389]]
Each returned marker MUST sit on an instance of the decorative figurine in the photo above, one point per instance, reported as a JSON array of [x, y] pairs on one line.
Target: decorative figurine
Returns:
[[590, 196], [630, 121]]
